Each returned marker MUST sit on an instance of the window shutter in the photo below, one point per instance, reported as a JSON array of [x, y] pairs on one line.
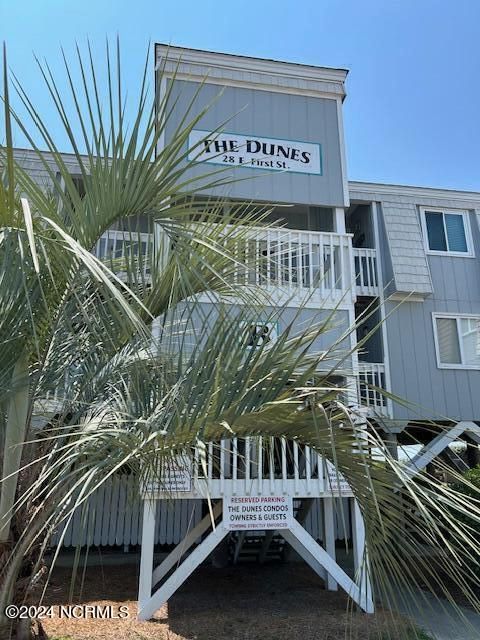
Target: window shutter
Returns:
[[435, 231], [448, 345], [455, 232]]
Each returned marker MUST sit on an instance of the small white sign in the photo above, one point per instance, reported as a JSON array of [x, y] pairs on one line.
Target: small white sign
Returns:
[[254, 152], [175, 478], [336, 482], [247, 513]]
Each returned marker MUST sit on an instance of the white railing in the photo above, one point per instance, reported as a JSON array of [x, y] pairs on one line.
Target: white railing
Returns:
[[297, 263], [366, 274], [307, 264], [253, 466], [371, 378], [116, 245]]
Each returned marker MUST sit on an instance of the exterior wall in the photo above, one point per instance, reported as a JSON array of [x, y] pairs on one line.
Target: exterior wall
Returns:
[[432, 392], [275, 115], [300, 320], [401, 229], [439, 283], [29, 161]]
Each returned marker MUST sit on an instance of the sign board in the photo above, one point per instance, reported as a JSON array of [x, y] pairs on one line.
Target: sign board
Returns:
[[335, 481], [255, 152], [260, 333], [175, 478], [247, 513]]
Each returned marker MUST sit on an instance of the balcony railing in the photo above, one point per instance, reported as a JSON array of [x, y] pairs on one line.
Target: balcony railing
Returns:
[[371, 379], [116, 244], [255, 466], [296, 264], [366, 274]]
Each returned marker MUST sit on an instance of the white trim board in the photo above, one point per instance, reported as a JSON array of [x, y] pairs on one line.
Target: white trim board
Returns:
[[234, 64], [257, 86]]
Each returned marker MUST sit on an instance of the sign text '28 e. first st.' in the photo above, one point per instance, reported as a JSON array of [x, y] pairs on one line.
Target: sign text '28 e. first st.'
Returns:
[[255, 152]]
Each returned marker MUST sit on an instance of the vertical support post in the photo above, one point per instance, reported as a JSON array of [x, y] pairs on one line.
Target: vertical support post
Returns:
[[360, 557], [146, 558], [339, 220], [391, 443], [329, 538], [375, 212], [352, 381]]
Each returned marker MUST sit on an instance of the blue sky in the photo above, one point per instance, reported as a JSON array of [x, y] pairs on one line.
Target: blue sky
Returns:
[[413, 106]]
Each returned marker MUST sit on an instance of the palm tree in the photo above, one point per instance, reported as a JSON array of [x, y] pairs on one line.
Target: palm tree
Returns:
[[130, 397], [66, 317]]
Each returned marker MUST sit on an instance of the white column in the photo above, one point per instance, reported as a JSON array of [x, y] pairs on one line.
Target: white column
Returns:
[[360, 557], [146, 558], [381, 297], [329, 538], [339, 220], [391, 442], [353, 399]]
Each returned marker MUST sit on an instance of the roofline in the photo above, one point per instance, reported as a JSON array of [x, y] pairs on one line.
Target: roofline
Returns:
[[250, 63], [412, 190]]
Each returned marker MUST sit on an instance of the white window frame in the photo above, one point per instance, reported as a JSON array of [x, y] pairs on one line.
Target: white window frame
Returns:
[[470, 253], [457, 317]]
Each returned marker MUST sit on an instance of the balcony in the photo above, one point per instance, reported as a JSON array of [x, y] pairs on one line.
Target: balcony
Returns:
[[117, 245], [371, 380], [252, 466], [366, 273], [294, 266]]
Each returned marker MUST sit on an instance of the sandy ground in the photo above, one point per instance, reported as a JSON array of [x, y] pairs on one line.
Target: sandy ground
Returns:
[[247, 602]]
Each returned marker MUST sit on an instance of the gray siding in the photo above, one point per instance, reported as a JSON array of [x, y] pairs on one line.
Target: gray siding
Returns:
[[407, 269], [30, 162], [432, 392], [276, 115], [300, 320], [411, 273], [456, 278], [415, 376]]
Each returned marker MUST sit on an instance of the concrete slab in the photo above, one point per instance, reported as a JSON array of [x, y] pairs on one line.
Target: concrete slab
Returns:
[[439, 618]]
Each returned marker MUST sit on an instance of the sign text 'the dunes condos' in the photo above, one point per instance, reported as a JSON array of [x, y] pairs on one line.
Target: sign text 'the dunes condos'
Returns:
[[255, 152]]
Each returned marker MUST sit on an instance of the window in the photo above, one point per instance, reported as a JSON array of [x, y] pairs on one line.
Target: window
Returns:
[[457, 341], [447, 232]]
